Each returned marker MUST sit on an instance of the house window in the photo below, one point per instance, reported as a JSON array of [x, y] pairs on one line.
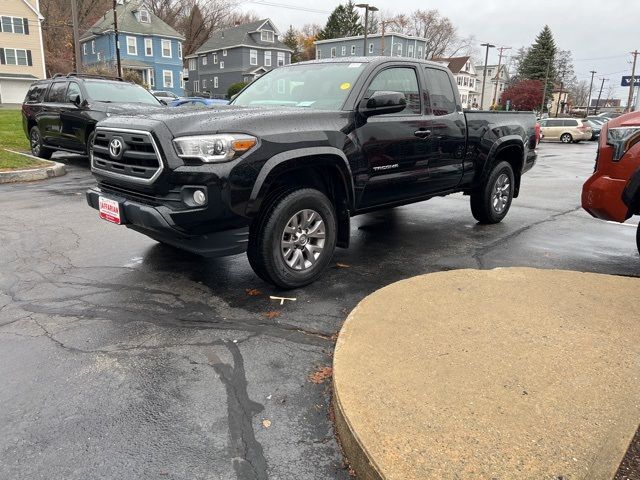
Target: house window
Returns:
[[193, 63], [459, 79], [215, 82], [253, 57], [204, 59], [221, 64], [280, 59], [179, 50], [410, 51], [93, 46], [215, 58], [132, 47], [318, 54], [181, 80], [152, 77], [84, 48], [343, 50], [166, 48], [371, 48], [466, 81], [400, 49], [148, 47], [196, 85], [333, 52], [353, 49], [167, 76], [420, 53], [204, 84], [15, 25], [224, 53], [143, 15], [99, 56], [14, 56], [267, 59], [266, 36], [490, 72]]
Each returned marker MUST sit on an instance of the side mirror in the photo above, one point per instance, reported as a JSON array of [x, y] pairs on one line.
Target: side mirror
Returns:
[[75, 100], [164, 102], [382, 102]]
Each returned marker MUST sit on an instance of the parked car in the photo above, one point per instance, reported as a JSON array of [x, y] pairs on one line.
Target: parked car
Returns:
[[613, 191], [567, 130], [594, 126], [600, 120], [198, 101], [165, 95], [303, 148], [61, 113], [609, 115]]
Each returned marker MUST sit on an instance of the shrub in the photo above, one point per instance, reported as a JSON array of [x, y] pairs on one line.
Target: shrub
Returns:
[[235, 88]]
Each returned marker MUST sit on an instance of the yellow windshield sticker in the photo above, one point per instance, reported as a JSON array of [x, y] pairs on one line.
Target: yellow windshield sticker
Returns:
[[345, 86]]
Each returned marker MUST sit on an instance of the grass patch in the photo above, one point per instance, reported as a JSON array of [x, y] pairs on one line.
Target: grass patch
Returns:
[[12, 136]]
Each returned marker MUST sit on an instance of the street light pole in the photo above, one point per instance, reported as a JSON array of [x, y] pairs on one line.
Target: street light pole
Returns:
[[632, 84], [495, 93], [484, 73], [367, 8], [384, 24], [599, 95], [76, 36], [593, 72]]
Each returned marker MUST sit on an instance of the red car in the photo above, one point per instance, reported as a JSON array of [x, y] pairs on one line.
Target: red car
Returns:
[[613, 191]]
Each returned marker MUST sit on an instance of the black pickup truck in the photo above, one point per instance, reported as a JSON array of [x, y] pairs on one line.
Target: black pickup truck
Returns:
[[279, 172]]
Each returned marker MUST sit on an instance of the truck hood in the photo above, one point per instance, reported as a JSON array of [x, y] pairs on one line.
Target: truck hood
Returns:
[[256, 121], [129, 108]]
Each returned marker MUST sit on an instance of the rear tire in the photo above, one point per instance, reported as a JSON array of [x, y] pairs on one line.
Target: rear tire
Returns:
[[490, 203], [293, 239], [566, 138], [37, 148]]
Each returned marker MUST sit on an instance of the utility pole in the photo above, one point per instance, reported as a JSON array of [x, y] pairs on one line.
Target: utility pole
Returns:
[[495, 93], [544, 90], [484, 73], [599, 95], [632, 85], [560, 95], [76, 37], [593, 72], [367, 8], [115, 32], [384, 24]]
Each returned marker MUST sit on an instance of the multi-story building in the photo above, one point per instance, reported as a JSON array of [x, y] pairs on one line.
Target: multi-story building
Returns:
[[495, 76], [389, 44], [466, 78], [236, 54], [21, 50], [147, 45]]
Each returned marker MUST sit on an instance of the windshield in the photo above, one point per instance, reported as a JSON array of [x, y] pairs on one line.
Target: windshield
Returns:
[[119, 92], [320, 86]]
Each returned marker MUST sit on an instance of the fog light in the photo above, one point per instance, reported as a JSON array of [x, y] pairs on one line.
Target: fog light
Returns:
[[199, 198]]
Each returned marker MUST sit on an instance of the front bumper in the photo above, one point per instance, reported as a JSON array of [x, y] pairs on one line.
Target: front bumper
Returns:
[[151, 221], [602, 198]]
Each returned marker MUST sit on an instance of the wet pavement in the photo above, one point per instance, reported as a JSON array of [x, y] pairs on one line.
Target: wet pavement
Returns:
[[122, 358]]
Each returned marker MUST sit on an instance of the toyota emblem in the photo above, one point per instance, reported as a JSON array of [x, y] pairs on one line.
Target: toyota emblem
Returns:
[[115, 148]]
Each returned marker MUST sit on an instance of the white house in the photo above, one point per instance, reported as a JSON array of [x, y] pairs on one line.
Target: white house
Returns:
[[466, 78], [495, 76]]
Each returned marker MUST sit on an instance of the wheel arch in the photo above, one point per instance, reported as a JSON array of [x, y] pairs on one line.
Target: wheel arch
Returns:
[[510, 149]]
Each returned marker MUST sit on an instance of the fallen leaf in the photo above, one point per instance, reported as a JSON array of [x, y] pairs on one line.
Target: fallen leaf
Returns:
[[266, 423], [320, 375], [272, 314], [253, 292]]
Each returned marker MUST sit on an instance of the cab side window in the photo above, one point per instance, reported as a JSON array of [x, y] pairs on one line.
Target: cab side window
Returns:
[[440, 92], [56, 92], [399, 79], [73, 91]]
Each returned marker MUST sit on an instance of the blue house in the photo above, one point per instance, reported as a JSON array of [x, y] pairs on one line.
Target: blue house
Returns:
[[148, 46]]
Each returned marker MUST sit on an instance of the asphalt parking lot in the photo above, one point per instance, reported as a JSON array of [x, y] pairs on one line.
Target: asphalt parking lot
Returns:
[[122, 358]]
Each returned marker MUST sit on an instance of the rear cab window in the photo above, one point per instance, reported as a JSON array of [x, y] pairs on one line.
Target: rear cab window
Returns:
[[439, 94]]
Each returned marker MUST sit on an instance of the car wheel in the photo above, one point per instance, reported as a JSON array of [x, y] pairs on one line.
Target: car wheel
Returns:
[[638, 238], [566, 138], [293, 239], [491, 202], [35, 142], [90, 139]]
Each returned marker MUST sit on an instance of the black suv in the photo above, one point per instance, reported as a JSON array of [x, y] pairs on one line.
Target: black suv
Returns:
[[61, 113]]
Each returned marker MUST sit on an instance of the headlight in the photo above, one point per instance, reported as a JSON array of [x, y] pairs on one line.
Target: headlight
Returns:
[[213, 148], [622, 139]]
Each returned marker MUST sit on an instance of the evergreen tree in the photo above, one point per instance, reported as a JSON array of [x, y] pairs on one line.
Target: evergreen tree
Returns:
[[344, 21], [541, 54], [290, 39]]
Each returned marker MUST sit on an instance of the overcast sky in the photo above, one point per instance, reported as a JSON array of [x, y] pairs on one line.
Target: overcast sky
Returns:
[[599, 34]]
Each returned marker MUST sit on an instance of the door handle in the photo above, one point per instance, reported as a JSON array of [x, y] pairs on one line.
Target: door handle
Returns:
[[422, 133]]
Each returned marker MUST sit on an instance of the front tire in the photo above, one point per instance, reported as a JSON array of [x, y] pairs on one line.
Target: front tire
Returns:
[[566, 138], [89, 147], [293, 239], [490, 203], [37, 148]]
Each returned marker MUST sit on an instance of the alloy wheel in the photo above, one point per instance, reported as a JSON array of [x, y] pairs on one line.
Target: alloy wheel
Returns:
[[303, 239], [501, 191], [35, 142]]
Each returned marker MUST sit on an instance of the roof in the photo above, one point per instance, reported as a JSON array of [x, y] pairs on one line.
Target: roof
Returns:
[[455, 64], [128, 23], [18, 76], [373, 35], [238, 35], [33, 9]]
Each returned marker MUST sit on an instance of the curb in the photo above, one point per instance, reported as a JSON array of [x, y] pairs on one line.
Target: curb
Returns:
[[51, 170]]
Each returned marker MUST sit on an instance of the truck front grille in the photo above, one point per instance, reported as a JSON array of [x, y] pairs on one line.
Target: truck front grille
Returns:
[[130, 154]]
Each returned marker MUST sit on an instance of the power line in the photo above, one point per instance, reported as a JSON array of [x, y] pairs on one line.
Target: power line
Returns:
[[284, 5]]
